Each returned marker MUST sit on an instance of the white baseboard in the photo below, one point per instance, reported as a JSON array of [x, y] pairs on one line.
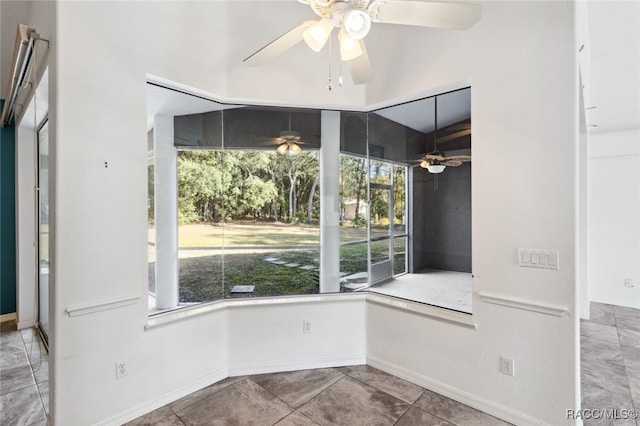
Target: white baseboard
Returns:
[[489, 407], [293, 365], [22, 325], [223, 373], [165, 399]]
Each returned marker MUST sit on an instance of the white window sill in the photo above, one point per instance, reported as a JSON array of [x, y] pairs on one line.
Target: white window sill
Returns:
[[434, 312]]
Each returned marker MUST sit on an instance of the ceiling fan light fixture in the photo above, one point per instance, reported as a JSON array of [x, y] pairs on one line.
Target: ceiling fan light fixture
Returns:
[[432, 166], [436, 168], [357, 23], [317, 34], [349, 47], [290, 148]]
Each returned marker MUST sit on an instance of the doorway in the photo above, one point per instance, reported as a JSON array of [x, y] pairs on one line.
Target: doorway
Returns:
[[387, 218]]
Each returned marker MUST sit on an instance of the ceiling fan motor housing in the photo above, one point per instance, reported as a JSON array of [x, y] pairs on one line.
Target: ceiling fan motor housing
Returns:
[[290, 135]]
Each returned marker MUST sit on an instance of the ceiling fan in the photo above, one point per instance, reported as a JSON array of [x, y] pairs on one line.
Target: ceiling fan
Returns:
[[436, 161], [288, 141], [353, 19]]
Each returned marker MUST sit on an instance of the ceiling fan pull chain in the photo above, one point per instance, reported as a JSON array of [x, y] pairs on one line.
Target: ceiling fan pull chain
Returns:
[[435, 132], [330, 85]]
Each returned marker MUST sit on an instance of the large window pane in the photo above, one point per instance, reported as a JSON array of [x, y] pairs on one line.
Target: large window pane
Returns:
[[354, 266], [399, 255], [353, 198], [399, 200], [248, 224]]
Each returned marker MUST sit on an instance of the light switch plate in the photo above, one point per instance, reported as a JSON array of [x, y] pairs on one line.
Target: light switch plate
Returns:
[[543, 259]]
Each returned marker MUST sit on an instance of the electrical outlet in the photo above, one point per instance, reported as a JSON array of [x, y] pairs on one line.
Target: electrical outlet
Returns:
[[306, 327], [628, 282], [507, 366], [121, 369]]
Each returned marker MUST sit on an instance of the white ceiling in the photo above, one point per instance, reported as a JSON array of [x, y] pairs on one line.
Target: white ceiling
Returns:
[[172, 102], [614, 45]]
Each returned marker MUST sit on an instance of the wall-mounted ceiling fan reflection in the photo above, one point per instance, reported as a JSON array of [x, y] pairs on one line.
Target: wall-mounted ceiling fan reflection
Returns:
[[436, 161], [353, 19]]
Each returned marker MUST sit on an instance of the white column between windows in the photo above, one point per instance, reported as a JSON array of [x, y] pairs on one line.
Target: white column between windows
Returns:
[[166, 212], [330, 202]]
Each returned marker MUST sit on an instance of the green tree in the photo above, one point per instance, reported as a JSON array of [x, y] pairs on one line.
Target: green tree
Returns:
[[226, 185], [353, 174]]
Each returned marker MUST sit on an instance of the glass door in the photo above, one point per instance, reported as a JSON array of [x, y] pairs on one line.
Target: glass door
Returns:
[[43, 229]]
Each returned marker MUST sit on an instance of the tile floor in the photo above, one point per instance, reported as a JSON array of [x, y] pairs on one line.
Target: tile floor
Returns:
[[610, 361], [358, 395], [24, 379]]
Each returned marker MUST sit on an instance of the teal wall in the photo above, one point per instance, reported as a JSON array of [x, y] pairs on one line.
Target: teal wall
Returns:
[[7, 219]]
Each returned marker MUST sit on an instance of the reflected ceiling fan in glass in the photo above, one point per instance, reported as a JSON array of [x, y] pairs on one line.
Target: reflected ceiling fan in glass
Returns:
[[436, 161], [353, 19], [288, 141]]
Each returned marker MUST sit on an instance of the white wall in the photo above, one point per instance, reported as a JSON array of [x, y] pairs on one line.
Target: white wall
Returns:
[[523, 108], [614, 209], [269, 338], [105, 51], [520, 62]]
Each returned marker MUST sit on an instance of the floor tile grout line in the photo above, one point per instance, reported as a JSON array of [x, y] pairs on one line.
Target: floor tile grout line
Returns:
[[23, 346], [19, 389], [624, 360], [426, 411], [375, 387], [369, 384], [589, 339], [30, 368], [272, 394], [321, 392], [275, 396], [403, 414], [201, 399], [35, 336], [295, 409]]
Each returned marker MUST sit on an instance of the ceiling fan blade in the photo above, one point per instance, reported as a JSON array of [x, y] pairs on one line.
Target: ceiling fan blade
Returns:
[[278, 46], [455, 135], [360, 67], [454, 16], [466, 125], [451, 163], [269, 141], [458, 158], [433, 157]]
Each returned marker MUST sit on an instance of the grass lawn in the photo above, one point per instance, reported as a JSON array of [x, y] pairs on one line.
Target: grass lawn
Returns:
[[201, 278], [249, 233], [207, 275]]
